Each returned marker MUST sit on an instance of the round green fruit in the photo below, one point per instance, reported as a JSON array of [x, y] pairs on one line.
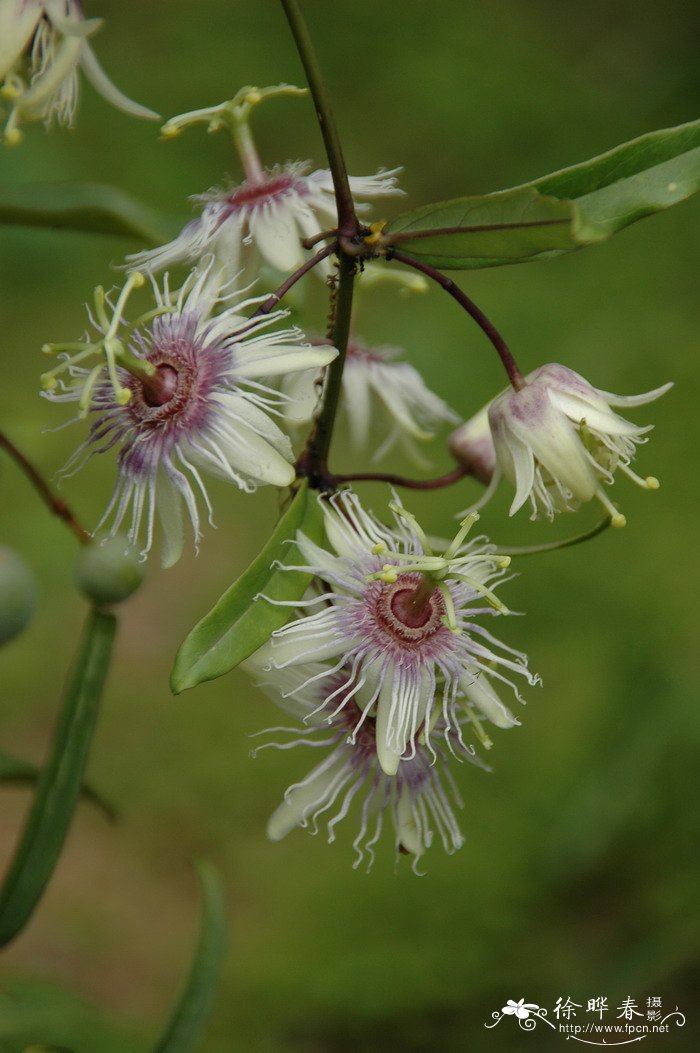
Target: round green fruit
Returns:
[[108, 571], [17, 594]]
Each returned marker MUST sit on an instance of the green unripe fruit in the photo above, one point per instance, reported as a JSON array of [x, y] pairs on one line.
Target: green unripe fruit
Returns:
[[17, 594], [108, 571]]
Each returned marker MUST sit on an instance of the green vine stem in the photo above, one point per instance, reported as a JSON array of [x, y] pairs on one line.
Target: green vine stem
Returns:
[[314, 459]]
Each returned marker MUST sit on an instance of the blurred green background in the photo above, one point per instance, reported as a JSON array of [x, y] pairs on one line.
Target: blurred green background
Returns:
[[579, 877]]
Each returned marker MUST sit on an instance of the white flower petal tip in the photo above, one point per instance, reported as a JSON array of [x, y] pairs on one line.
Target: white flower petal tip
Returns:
[[43, 44], [557, 440], [179, 395], [390, 669]]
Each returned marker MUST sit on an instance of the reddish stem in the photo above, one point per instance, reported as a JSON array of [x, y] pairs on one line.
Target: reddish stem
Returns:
[[55, 504], [331, 480], [510, 365], [284, 288]]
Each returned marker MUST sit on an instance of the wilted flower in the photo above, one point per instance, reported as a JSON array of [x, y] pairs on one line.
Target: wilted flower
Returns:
[[182, 393], [42, 44], [266, 216], [557, 440], [373, 379], [402, 624], [414, 797]]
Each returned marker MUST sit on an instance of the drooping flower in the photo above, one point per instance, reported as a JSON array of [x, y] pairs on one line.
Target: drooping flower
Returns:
[[403, 625], [43, 43], [265, 217], [557, 440], [179, 393], [373, 379], [415, 797]]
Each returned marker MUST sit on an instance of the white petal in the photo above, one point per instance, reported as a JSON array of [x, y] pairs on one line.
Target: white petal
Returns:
[[265, 361], [598, 417], [169, 505], [636, 400], [277, 237], [479, 692], [292, 649], [303, 799], [18, 19], [101, 83], [356, 390], [237, 408], [408, 831], [323, 562], [302, 390]]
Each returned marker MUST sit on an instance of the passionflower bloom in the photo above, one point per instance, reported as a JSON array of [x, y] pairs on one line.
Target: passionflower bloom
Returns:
[[401, 625], [557, 440], [264, 217], [43, 43], [181, 392], [419, 798], [377, 386]]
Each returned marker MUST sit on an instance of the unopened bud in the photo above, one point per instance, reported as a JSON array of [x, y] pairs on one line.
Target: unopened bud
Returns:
[[472, 445], [17, 594], [108, 571]]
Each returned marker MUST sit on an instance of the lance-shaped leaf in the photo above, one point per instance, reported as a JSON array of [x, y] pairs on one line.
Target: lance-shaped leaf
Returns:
[[15, 770], [59, 785], [92, 207], [566, 210], [194, 1006], [244, 617]]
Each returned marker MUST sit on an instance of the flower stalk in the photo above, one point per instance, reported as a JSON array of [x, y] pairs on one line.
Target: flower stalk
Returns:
[[55, 504], [487, 327]]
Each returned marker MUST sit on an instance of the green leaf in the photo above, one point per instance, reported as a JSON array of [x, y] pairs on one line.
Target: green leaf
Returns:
[[60, 781], [244, 618], [92, 207], [193, 1008], [12, 769], [569, 209], [469, 232]]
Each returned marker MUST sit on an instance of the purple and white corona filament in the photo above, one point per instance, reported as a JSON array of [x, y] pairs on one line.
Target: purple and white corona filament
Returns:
[[420, 798], [405, 627], [181, 392]]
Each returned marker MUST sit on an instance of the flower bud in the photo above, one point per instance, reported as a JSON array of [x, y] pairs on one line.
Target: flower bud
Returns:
[[17, 594], [472, 445], [108, 571]]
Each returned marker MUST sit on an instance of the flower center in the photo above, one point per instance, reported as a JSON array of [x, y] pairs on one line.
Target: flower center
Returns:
[[409, 610], [162, 387]]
